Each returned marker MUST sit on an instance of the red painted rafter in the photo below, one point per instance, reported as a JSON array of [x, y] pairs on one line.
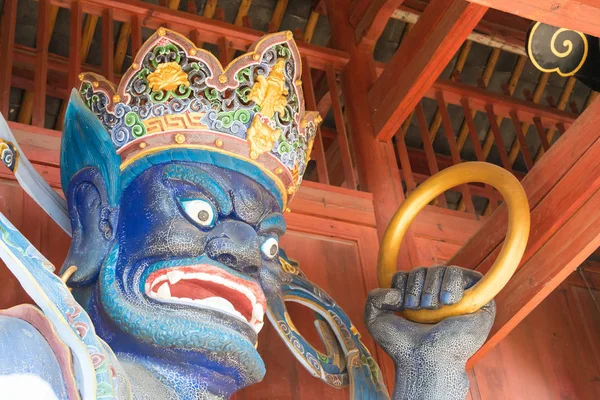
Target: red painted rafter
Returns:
[[7, 42], [427, 49], [211, 30], [41, 72], [563, 192], [579, 15], [373, 21]]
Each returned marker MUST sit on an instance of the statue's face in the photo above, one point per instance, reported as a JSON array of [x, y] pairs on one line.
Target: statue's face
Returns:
[[194, 244]]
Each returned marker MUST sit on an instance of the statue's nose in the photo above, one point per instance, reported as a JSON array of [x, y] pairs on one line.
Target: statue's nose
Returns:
[[236, 245]]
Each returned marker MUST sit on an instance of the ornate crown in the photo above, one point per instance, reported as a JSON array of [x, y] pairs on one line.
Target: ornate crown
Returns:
[[175, 95]]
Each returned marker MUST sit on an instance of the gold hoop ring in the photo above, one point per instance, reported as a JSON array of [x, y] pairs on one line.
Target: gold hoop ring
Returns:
[[510, 254]]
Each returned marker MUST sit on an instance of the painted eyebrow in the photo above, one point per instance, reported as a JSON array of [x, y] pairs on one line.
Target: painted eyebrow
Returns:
[[273, 222], [197, 177]]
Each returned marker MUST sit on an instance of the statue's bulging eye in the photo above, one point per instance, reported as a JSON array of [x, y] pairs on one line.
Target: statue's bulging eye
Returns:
[[270, 248], [200, 211]]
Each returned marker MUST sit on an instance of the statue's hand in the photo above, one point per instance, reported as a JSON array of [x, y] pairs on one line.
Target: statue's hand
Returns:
[[430, 358]]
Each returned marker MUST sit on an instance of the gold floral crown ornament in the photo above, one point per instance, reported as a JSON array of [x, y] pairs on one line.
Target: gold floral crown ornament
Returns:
[[175, 95]]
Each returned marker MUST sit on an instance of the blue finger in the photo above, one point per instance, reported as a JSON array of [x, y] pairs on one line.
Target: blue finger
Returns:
[[411, 301], [446, 297], [426, 299]]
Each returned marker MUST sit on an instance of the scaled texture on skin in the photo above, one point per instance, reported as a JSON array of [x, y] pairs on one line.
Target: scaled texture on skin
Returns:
[[429, 359]]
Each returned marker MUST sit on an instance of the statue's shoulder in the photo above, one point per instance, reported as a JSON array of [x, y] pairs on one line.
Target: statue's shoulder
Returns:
[[37, 361]]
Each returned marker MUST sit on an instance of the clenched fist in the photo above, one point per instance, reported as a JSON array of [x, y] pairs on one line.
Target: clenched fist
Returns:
[[430, 359]]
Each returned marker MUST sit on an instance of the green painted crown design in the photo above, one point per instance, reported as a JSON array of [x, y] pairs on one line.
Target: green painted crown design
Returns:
[[175, 94]]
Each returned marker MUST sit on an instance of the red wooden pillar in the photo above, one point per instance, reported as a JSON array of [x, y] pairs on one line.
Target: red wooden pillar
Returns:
[[377, 166], [7, 41]]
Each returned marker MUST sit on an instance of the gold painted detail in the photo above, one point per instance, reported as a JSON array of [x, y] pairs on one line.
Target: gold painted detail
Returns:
[[560, 54], [168, 76], [116, 98], [223, 78], [143, 145], [161, 31], [270, 93], [287, 267], [81, 77], [219, 143], [508, 259], [174, 122], [180, 138], [261, 135], [68, 273]]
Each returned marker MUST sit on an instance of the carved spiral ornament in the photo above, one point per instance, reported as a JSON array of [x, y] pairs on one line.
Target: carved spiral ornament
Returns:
[[559, 50]]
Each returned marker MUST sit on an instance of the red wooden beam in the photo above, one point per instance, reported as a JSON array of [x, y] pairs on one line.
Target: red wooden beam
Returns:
[[74, 65], [153, 16], [422, 56], [373, 21], [7, 42], [562, 187], [108, 45], [41, 72], [579, 15]]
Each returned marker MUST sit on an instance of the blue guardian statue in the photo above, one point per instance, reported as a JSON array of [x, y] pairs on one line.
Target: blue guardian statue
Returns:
[[175, 184]]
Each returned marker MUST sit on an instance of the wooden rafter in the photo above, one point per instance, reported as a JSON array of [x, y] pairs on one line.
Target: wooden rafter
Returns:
[[432, 43], [373, 21], [278, 14], [562, 188], [579, 15], [153, 17], [7, 42], [26, 109]]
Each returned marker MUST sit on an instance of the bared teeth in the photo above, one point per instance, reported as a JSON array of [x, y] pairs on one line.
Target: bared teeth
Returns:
[[160, 287], [164, 291], [175, 276]]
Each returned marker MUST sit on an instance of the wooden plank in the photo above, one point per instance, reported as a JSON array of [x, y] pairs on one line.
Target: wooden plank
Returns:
[[579, 15], [534, 281], [277, 16], [242, 12], [449, 132], [377, 166], [489, 109], [26, 109], [311, 24], [318, 152], [562, 103], [373, 21], [488, 140], [521, 137], [458, 67], [41, 72], [7, 42], [484, 81], [541, 180], [340, 125], [409, 179], [432, 43], [334, 203], [477, 149], [428, 148], [74, 65], [153, 17], [108, 66]]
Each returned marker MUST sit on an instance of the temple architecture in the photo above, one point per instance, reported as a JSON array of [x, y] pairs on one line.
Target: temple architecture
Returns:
[[323, 117]]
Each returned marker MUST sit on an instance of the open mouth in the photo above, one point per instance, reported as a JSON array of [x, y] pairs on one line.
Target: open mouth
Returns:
[[209, 287]]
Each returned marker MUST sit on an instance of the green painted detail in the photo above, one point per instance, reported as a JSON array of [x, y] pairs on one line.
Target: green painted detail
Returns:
[[132, 120]]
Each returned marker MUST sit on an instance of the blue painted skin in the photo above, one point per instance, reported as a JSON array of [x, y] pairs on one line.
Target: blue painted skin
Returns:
[[154, 232]]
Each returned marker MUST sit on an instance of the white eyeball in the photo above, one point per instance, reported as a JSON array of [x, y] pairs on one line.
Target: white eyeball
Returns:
[[270, 248], [200, 211]]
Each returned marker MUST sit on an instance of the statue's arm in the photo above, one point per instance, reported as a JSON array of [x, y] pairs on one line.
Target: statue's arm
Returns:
[[28, 365], [430, 359]]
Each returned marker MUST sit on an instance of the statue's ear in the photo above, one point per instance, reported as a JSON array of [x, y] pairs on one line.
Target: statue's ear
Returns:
[[93, 224]]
